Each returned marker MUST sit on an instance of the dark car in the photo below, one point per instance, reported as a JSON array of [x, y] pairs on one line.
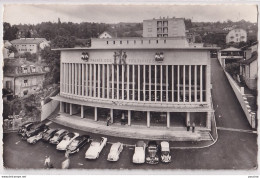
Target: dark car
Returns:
[[58, 136], [25, 127], [48, 134], [77, 143], [152, 150], [35, 130]]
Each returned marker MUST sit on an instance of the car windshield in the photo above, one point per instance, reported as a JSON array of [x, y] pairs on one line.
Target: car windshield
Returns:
[[152, 149], [165, 152], [66, 137], [95, 144], [56, 134], [74, 143]]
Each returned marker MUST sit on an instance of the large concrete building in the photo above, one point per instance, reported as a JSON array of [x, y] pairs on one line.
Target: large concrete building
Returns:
[[144, 79], [164, 27]]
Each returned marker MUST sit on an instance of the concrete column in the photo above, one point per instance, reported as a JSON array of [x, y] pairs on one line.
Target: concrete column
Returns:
[[128, 76], [155, 83], [201, 83], [95, 114], [188, 118], [168, 119], [150, 82], [148, 119], [70, 109], [117, 82], [133, 82], [195, 84], [161, 83], [189, 83], [82, 111], [61, 107], [167, 83], [129, 117], [178, 84], [172, 83], [184, 84], [138, 76], [208, 124], [108, 83], [111, 115]]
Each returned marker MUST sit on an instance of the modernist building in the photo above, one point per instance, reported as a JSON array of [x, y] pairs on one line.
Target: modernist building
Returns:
[[144, 78], [164, 27], [31, 45], [236, 36]]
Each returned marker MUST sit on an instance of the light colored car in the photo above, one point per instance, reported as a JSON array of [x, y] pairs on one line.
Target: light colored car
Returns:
[[58, 136], [35, 138], [95, 148], [67, 139], [165, 152], [139, 154], [115, 151]]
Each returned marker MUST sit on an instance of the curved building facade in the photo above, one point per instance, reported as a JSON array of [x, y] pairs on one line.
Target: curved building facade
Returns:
[[147, 81]]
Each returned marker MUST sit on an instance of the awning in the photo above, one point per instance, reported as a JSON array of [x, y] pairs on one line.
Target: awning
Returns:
[[185, 107]]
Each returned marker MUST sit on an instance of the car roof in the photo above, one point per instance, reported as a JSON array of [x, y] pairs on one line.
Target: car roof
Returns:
[[152, 143], [165, 145], [140, 143], [116, 145]]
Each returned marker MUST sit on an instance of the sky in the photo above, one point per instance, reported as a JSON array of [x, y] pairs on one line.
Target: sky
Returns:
[[37, 13]]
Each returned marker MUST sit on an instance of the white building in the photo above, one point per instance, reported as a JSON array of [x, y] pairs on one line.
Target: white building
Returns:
[[236, 36], [105, 34], [31, 45]]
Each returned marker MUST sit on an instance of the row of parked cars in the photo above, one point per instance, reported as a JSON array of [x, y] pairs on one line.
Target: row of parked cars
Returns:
[[71, 142]]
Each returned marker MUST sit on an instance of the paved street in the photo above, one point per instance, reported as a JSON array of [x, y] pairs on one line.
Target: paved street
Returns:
[[233, 150]]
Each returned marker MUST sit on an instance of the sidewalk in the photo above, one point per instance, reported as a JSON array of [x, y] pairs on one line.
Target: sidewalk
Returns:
[[134, 131]]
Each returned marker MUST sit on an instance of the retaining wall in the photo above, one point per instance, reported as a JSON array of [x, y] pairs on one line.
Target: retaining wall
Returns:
[[48, 109], [251, 116]]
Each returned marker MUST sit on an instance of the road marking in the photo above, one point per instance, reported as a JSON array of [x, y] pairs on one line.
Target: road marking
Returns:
[[237, 130], [17, 142], [48, 123]]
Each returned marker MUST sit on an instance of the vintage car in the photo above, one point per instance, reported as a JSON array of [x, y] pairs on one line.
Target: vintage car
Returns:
[[25, 127], [152, 150], [58, 136], [165, 152], [35, 130], [48, 134], [77, 143], [115, 151], [139, 154], [66, 140], [35, 138], [95, 148]]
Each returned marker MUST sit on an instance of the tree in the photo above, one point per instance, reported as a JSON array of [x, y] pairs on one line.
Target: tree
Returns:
[[64, 42], [52, 58], [10, 32]]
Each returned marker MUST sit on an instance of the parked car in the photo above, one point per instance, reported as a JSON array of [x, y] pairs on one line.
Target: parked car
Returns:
[[48, 134], [95, 148], [58, 136], [25, 127], [35, 130], [139, 154], [35, 138], [115, 151], [66, 140], [77, 143], [152, 150], [165, 152]]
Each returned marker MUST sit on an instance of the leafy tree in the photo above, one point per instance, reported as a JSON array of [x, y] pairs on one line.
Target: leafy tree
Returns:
[[29, 57], [233, 68], [10, 32], [64, 42], [52, 58]]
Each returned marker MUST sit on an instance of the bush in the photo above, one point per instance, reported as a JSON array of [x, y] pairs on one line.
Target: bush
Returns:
[[233, 68], [29, 57]]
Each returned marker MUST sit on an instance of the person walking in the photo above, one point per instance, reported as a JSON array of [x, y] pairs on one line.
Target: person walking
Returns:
[[108, 120], [66, 163], [188, 125], [193, 127], [47, 162]]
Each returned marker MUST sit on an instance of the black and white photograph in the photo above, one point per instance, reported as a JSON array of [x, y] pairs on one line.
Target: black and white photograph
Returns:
[[130, 87]]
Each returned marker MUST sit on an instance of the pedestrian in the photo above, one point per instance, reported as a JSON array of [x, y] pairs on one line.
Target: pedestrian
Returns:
[[66, 163], [188, 126], [47, 162], [108, 120], [193, 127]]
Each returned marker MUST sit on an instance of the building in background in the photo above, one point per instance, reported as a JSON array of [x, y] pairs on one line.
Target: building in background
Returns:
[[21, 77], [230, 55], [31, 45], [164, 27], [105, 34], [248, 71], [236, 36], [7, 52]]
